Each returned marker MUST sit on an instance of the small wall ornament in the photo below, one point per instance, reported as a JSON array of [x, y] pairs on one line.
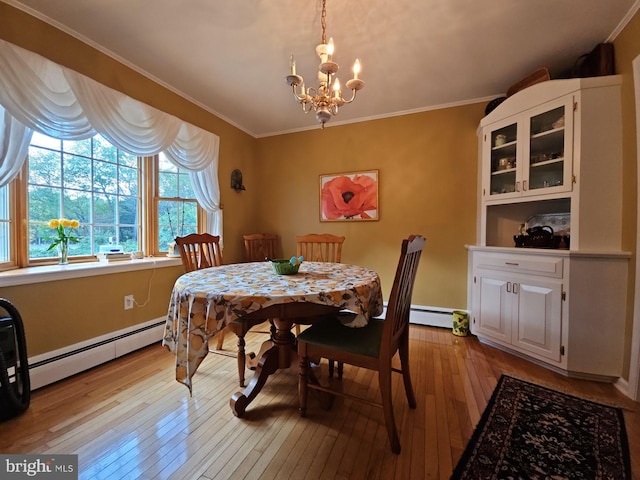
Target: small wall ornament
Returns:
[[236, 180]]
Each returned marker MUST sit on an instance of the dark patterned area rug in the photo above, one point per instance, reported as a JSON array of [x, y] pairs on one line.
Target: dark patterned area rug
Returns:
[[531, 432]]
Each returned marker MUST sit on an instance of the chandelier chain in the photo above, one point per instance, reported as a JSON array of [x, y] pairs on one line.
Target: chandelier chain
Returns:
[[323, 21]]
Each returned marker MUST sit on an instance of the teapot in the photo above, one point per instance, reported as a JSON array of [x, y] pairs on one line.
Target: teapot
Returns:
[[540, 236]]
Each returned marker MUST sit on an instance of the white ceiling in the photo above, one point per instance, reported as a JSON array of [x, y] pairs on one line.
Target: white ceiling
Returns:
[[231, 56]]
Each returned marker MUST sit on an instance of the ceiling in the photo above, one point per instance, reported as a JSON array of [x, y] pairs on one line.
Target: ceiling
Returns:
[[231, 56]]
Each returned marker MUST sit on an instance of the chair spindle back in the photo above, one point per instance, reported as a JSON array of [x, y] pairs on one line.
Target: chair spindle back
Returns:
[[199, 250], [320, 247]]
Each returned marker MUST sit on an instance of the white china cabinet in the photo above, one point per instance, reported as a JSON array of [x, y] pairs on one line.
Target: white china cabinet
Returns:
[[551, 155]]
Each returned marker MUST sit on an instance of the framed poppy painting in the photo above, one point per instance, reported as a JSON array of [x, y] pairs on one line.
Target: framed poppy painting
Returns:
[[349, 196]]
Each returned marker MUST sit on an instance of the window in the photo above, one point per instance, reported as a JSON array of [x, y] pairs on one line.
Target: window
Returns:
[[87, 180], [175, 202], [135, 203], [114, 195]]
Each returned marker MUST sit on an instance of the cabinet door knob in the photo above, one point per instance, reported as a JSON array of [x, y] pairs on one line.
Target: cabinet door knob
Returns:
[[515, 288], [508, 287]]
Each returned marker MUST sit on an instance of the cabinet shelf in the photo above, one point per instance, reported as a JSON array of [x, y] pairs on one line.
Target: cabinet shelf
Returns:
[[505, 171], [548, 132], [505, 146], [546, 162]]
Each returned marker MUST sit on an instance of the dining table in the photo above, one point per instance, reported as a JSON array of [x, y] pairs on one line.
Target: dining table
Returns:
[[204, 301]]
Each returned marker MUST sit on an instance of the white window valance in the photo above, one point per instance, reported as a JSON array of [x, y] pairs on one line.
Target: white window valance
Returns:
[[39, 95]]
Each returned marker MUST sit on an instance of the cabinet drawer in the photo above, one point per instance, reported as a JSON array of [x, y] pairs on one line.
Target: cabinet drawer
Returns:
[[534, 265]]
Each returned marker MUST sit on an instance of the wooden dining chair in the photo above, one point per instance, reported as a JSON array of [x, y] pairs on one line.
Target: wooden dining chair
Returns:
[[320, 247], [372, 347], [324, 247], [257, 248], [198, 251], [260, 246]]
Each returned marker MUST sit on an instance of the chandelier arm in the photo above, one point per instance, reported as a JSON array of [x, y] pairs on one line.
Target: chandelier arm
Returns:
[[299, 97], [353, 97]]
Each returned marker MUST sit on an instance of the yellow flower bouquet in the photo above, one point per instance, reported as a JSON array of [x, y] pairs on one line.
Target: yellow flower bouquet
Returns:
[[64, 229]]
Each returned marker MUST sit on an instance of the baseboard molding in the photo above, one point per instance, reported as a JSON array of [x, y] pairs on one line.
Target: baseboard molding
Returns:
[[623, 387], [52, 366]]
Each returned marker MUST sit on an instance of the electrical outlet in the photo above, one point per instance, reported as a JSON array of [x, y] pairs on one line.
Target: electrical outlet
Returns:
[[128, 302]]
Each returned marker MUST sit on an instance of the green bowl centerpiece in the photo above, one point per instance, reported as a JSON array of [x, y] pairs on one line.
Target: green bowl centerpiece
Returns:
[[283, 266]]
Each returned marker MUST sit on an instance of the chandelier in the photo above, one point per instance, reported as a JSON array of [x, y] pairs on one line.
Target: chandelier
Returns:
[[325, 99]]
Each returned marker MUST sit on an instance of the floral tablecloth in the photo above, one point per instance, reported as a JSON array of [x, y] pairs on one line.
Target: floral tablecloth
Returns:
[[204, 301]]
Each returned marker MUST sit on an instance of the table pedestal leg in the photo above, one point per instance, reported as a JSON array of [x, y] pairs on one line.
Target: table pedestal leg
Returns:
[[278, 356], [254, 360]]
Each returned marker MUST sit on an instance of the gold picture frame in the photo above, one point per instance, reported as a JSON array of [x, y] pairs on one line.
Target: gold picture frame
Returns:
[[349, 197]]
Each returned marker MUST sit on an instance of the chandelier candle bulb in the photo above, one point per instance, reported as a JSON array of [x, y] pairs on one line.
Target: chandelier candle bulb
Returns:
[[292, 64], [356, 69], [330, 49]]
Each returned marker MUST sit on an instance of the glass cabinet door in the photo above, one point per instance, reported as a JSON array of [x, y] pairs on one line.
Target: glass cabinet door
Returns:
[[530, 154], [503, 145], [549, 167]]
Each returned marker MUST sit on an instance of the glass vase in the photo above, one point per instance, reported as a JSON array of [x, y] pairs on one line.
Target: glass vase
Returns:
[[64, 253]]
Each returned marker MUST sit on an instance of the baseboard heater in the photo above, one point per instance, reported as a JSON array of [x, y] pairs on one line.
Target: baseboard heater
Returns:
[[431, 316], [52, 366]]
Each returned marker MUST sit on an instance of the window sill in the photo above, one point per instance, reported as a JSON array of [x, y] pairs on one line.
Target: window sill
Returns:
[[50, 273]]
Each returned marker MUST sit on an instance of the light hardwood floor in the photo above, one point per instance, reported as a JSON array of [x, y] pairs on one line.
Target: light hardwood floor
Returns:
[[129, 419]]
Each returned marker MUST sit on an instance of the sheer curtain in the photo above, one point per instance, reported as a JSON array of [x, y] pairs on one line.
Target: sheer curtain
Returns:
[[39, 95], [14, 144]]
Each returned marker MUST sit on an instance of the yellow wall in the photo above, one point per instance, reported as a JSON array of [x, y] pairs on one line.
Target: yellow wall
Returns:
[[61, 313], [627, 47], [427, 165]]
